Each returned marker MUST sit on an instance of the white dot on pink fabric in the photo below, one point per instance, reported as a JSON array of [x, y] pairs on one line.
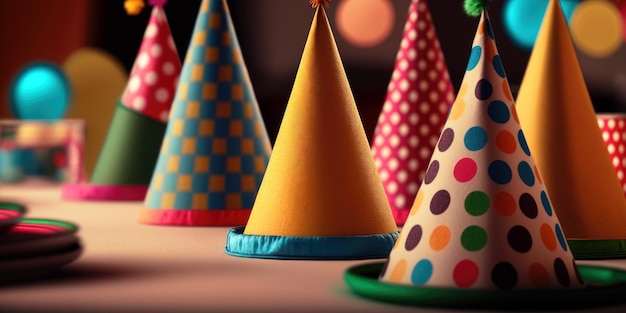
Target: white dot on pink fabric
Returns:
[[404, 107], [151, 31], [412, 34], [404, 85], [162, 94], [155, 50], [412, 188], [421, 25], [392, 187], [395, 96], [378, 141], [143, 60], [139, 103], [421, 7], [403, 152], [414, 118], [412, 54], [400, 201], [394, 140], [134, 84], [168, 68], [385, 152], [394, 118], [403, 130], [402, 176], [151, 78]]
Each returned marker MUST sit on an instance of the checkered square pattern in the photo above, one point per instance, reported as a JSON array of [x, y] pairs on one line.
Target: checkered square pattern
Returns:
[[215, 148]]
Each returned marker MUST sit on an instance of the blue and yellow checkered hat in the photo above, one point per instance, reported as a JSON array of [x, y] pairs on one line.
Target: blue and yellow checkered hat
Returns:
[[216, 147]]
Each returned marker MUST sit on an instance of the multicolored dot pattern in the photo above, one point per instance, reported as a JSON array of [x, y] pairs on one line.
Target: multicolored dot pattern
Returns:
[[613, 128], [418, 100], [154, 76], [482, 218], [216, 147]]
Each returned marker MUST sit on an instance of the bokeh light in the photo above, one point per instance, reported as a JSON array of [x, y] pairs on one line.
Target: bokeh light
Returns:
[[522, 19], [365, 23], [40, 91], [596, 28]]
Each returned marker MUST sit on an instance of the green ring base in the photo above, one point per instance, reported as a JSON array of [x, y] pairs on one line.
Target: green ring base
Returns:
[[586, 249], [605, 287]]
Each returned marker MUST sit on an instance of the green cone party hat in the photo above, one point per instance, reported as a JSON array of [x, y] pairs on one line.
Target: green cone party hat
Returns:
[[130, 150]]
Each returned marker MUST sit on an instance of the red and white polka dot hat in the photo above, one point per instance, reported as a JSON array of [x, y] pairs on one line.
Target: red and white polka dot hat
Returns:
[[130, 150], [558, 117], [418, 100], [154, 76]]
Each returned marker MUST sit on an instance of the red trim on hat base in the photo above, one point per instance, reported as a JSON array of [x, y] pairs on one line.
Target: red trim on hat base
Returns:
[[104, 192], [194, 217]]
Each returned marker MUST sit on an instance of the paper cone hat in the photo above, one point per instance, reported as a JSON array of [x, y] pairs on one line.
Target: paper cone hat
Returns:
[[216, 146], [559, 121], [417, 104], [129, 153], [321, 197]]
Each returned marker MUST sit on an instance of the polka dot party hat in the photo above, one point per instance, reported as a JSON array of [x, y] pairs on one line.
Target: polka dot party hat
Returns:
[[558, 117], [216, 146], [418, 100], [482, 231], [130, 150], [321, 197]]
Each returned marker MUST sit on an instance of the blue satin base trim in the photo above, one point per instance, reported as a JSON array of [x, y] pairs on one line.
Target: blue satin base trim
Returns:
[[309, 247]]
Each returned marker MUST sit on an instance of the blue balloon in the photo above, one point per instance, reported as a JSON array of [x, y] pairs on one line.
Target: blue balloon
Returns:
[[40, 91], [523, 18]]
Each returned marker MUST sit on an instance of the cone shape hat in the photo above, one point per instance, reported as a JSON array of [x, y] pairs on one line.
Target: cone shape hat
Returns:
[[482, 218], [130, 150], [417, 104], [215, 147], [321, 196], [559, 121]]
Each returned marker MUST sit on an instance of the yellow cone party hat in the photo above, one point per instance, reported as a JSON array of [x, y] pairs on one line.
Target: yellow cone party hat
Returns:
[[215, 147], [321, 197], [482, 231], [558, 118], [418, 100], [129, 153]]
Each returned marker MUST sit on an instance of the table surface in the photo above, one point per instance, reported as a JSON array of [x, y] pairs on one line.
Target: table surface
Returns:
[[131, 267]]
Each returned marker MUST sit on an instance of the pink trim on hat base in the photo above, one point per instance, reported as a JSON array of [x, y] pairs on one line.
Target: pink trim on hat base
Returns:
[[194, 217], [104, 192]]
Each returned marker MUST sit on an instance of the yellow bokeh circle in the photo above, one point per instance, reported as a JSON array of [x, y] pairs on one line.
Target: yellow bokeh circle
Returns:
[[596, 28]]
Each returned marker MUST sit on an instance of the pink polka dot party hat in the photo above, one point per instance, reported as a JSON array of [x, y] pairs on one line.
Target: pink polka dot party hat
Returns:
[[482, 232], [558, 117], [418, 100], [321, 197], [128, 155], [215, 149]]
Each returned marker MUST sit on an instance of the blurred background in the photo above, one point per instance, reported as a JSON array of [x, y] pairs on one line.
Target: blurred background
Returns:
[[94, 44]]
